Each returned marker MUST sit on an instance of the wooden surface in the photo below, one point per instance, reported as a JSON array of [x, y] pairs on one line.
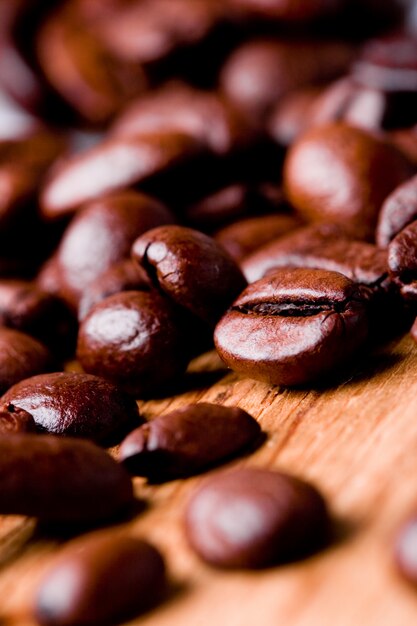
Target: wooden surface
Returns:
[[356, 441]]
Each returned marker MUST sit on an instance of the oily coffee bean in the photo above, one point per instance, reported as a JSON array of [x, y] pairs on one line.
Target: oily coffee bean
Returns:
[[254, 518], [21, 356], [398, 210], [100, 578], [402, 261], [78, 405], [406, 551], [244, 236], [293, 327], [14, 420], [262, 71], [124, 276], [134, 339], [102, 234], [92, 174], [342, 174], [187, 440], [191, 268], [61, 480]]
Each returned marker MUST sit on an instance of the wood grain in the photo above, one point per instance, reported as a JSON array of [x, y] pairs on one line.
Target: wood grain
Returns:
[[357, 441]]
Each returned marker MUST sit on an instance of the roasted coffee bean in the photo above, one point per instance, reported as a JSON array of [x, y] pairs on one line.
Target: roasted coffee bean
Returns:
[[397, 212], [136, 340], [100, 235], [191, 268], [14, 420], [61, 480], [254, 518], [177, 107], [243, 237], [188, 440], [26, 308], [21, 356], [406, 552], [78, 405], [100, 578], [402, 261], [124, 276], [262, 71], [114, 164], [294, 327], [342, 174]]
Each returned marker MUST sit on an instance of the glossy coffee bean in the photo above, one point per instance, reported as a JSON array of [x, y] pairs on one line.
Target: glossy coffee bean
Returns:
[[102, 577], [402, 261], [405, 551], [78, 405], [92, 174], [100, 236], [262, 71], [134, 339], [61, 480], [14, 420], [294, 327], [342, 174], [254, 518], [21, 356], [124, 276], [398, 210], [244, 236], [188, 440], [191, 268]]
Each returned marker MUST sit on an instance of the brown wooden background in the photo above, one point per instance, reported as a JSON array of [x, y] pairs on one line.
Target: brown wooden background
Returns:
[[356, 441]]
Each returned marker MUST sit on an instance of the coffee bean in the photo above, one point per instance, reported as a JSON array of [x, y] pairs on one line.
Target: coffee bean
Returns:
[[343, 174], [402, 261], [99, 578], [244, 236], [60, 480], [187, 440], [191, 268], [14, 420], [254, 518], [100, 235], [398, 210], [78, 405], [293, 327], [406, 551], [21, 356], [136, 340]]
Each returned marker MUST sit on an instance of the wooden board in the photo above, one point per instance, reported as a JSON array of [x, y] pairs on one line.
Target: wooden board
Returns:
[[356, 441]]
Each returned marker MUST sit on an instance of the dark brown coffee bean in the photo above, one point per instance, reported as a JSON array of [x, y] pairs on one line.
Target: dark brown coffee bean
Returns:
[[294, 326], [255, 518], [188, 440], [398, 210], [134, 339], [93, 173], [102, 234], [14, 420], [342, 174], [402, 261], [204, 115], [124, 276], [78, 405], [243, 237], [406, 551], [260, 72], [100, 578], [61, 480], [21, 356], [191, 268]]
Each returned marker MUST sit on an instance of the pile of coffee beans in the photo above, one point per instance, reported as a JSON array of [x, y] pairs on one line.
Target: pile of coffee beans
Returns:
[[179, 175]]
